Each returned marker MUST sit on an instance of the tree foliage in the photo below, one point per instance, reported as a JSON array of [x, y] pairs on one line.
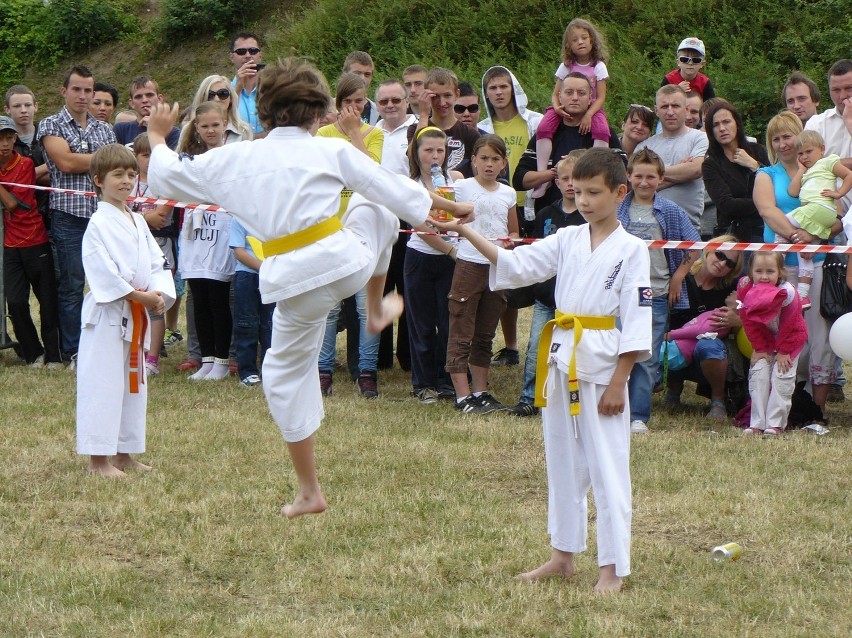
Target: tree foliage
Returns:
[[752, 45]]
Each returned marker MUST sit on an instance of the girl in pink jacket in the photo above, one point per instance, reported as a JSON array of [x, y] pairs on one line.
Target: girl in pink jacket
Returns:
[[771, 313]]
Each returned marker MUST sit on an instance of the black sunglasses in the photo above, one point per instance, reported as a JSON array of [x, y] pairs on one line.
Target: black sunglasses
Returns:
[[687, 60], [249, 50], [222, 94], [730, 263], [461, 108]]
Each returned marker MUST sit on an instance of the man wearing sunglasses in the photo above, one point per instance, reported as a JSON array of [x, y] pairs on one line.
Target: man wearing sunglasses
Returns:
[[247, 58], [392, 104], [144, 94]]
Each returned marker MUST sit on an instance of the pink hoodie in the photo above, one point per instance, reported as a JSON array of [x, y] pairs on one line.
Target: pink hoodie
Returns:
[[772, 317]]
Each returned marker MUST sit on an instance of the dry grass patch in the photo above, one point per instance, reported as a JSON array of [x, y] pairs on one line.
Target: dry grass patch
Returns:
[[431, 515]]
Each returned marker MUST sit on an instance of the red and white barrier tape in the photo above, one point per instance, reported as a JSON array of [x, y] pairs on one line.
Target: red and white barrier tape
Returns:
[[652, 244]]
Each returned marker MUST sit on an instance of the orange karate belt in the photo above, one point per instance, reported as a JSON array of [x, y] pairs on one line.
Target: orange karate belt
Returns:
[[137, 345], [299, 239], [566, 322]]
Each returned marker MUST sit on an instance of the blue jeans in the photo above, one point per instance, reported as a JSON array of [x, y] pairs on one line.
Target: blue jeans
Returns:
[[541, 315], [640, 387], [252, 323], [67, 235], [368, 345]]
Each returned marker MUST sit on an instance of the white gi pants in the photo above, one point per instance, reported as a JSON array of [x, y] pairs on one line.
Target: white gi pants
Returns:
[[109, 418], [290, 377], [595, 453], [771, 394]]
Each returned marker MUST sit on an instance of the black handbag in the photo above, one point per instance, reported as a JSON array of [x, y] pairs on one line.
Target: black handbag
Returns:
[[835, 296]]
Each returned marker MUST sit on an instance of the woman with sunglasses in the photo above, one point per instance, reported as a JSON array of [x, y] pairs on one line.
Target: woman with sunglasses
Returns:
[[216, 88], [729, 172], [636, 128], [774, 202], [711, 285]]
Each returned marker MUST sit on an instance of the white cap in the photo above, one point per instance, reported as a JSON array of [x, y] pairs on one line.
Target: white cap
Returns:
[[692, 43]]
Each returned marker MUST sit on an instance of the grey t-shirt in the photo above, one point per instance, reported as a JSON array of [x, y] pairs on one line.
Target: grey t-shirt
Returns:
[[645, 226], [673, 150]]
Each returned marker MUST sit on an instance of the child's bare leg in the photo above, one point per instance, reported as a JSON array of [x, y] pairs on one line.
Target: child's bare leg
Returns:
[[561, 564], [101, 466], [479, 378], [309, 500], [172, 315], [608, 582], [460, 384], [805, 278], [509, 325], [123, 461], [381, 311], [158, 331]]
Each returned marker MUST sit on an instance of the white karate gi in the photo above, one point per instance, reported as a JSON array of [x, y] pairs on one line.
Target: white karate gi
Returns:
[[118, 258], [591, 450], [277, 186]]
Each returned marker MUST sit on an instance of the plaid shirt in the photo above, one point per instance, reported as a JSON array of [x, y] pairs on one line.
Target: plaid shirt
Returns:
[[675, 226], [80, 140]]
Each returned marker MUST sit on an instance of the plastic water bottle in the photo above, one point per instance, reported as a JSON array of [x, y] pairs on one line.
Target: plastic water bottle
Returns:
[[437, 175]]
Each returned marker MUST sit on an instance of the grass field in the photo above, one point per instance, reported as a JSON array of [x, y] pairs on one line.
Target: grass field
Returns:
[[431, 515]]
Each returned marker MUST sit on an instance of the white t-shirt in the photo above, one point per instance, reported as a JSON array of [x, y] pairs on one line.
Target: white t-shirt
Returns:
[[416, 242], [492, 214]]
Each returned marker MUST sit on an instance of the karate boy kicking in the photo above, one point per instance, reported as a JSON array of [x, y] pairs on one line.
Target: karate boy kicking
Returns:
[[312, 258], [602, 327]]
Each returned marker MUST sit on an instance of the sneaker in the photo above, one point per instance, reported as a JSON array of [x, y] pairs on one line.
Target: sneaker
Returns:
[[152, 368], [368, 385], [72, 364], [638, 427], [232, 367], [522, 409], [773, 432], [189, 365], [835, 393], [506, 357], [325, 383], [53, 365], [172, 337], [806, 302], [38, 363], [446, 393], [426, 396], [469, 405], [250, 381], [489, 404]]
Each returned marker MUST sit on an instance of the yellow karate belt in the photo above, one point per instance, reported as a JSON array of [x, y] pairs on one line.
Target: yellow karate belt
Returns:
[[137, 346], [566, 322], [299, 239]]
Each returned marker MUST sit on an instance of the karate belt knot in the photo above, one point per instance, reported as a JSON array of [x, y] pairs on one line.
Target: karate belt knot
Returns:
[[299, 239], [566, 322], [137, 345]]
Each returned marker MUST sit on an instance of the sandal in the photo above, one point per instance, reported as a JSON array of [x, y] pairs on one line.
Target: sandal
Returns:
[[717, 411], [773, 432]]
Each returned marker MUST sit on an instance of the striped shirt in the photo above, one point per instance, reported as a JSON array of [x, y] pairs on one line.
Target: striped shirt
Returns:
[[80, 140]]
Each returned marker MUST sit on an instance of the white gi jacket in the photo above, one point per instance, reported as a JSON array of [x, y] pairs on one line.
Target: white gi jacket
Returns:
[[614, 281], [257, 183]]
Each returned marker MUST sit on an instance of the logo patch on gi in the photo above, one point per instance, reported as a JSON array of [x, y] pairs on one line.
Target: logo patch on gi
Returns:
[[554, 347], [574, 396], [646, 297]]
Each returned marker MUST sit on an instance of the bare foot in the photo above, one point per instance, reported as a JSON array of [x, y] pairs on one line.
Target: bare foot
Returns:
[[557, 566], [392, 308], [608, 582], [125, 462], [107, 471], [303, 505]]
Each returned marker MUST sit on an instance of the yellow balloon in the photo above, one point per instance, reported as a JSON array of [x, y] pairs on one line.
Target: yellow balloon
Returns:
[[743, 344]]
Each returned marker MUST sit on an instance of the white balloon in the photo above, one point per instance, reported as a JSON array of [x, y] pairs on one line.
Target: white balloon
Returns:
[[840, 337]]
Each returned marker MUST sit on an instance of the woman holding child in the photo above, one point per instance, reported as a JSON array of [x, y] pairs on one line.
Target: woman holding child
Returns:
[[711, 284], [774, 202]]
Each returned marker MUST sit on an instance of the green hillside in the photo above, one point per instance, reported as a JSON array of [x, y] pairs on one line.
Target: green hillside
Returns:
[[752, 44]]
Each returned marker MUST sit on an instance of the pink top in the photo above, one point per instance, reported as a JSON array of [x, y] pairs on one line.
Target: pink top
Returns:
[[772, 317], [686, 336]]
